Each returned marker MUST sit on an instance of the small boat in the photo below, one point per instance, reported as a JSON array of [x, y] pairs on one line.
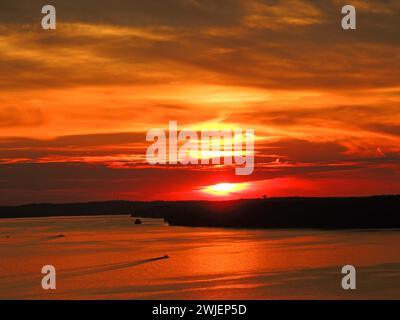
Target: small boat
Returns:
[[138, 221]]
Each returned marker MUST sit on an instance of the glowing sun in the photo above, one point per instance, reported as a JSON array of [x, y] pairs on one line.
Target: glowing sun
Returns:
[[224, 189]]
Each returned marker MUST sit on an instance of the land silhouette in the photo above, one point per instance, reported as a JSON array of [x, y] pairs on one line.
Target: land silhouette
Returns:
[[290, 212]]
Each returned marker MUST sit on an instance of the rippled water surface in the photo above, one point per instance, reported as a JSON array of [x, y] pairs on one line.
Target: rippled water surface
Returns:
[[111, 258]]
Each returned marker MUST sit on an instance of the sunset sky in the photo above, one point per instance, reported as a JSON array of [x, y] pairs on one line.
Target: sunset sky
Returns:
[[76, 103]]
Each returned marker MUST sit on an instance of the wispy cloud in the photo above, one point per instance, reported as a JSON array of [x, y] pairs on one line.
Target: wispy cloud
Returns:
[[322, 101]]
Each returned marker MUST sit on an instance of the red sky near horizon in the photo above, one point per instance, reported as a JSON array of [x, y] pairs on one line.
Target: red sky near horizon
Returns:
[[76, 103]]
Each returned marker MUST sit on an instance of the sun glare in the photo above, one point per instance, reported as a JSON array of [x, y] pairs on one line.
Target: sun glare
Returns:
[[224, 189]]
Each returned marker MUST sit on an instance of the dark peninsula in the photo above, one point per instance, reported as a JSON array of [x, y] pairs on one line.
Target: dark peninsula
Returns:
[[291, 212]]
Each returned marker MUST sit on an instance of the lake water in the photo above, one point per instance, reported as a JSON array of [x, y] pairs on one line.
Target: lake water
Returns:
[[111, 258]]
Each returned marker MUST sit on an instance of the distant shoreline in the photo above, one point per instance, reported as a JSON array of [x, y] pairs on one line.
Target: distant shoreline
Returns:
[[374, 212]]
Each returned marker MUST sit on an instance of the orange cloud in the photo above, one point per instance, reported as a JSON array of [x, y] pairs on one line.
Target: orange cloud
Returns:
[[324, 103]]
